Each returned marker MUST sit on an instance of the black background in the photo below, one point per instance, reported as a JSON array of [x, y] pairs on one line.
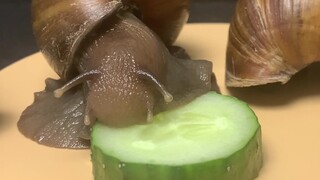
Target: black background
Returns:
[[16, 38]]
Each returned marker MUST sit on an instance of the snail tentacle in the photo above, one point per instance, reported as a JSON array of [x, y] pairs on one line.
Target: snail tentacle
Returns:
[[88, 116], [166, 95], [150, 106], [76, 81]]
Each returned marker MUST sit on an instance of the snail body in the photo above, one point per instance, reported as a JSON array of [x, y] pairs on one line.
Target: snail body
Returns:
[[126, 76], [90, 46], [113, 68], [270, 41]]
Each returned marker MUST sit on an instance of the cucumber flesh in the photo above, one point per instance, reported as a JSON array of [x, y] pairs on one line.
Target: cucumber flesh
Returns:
[[213, 137]]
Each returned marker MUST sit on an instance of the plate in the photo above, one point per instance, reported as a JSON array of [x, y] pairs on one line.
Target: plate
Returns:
[[289, 115]]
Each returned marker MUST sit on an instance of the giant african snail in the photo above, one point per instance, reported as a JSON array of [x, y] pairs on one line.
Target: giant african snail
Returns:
[[271, 40], [123, 68]]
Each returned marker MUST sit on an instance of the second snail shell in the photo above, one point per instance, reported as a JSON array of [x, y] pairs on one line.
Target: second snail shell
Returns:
[[271, 40]]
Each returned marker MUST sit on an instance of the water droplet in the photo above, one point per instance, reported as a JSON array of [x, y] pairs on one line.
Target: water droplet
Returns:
[[258, 149], [103, 166], [229, 168], [41, 138]]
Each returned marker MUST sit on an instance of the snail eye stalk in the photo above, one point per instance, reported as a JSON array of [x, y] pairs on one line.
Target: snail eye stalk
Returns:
[[166, 95], [76, 81]]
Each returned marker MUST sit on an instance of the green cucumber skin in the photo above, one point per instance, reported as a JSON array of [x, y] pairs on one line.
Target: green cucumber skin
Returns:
[[244, 164]]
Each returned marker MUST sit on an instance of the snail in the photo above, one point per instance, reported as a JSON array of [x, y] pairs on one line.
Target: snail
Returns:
[[113, 68], [270, 41]]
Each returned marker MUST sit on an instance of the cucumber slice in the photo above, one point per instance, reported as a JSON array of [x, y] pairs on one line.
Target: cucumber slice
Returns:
[[213, 137]]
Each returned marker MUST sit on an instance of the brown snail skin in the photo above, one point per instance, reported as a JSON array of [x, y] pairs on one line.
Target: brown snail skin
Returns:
[[271, 40], [165, 18], [113, 69]]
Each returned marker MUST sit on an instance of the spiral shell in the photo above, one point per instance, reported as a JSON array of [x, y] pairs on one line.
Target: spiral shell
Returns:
[[60, 26], [271, 40], [165, 17]]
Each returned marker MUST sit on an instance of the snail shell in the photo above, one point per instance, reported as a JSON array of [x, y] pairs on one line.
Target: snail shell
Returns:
[[269, 41], [165, 18], [61, 26]]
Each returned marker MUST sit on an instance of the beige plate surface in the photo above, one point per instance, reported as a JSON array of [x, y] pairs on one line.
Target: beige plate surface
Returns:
[[289, 115]]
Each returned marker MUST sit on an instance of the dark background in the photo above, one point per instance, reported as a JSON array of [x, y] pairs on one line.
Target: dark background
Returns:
[[16, 38]]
